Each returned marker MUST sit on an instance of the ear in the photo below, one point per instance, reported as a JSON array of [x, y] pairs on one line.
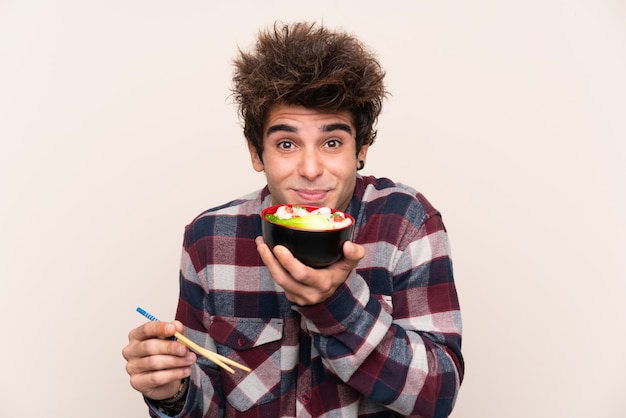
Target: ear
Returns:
[[257, 163], [362, 155]]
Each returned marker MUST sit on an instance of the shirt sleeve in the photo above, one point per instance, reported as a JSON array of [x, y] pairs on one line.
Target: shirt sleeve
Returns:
[[401, 350], [203, 399]]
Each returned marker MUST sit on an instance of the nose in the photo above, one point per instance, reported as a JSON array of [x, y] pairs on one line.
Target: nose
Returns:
[[311, 165]]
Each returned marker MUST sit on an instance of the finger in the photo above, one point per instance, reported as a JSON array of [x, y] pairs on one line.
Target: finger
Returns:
[[326, 281], [281, 276], [268, 257], [302, 284], [290, 263], [155, 329], [352, 254], [154, 346], [159, 384], [155, 363]]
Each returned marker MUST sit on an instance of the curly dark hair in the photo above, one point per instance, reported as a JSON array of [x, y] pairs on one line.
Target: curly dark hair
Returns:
[[307, 65]]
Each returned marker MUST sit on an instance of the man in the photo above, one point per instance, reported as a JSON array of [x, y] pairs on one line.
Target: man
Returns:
[[376, 334]]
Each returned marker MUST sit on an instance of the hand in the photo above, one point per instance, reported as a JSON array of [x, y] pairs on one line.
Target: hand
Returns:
[[156, 364], [305, 285]]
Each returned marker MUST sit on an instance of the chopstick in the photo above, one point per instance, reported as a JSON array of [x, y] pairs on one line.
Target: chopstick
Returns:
[[214, 357]]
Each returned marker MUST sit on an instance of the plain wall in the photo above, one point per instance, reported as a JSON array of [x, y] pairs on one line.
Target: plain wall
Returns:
[[117, 128]]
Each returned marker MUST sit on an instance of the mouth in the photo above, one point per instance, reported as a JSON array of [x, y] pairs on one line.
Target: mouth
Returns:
[[311, 196]]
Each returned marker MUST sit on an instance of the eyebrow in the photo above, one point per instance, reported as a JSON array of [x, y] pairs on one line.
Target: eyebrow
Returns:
[[337, 127], [281, 127]]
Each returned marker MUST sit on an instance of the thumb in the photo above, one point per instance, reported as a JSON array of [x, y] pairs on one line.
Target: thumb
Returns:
[[353, 253]]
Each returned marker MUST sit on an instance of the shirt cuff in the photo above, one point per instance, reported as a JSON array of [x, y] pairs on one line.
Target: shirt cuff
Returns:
[[154, 409]]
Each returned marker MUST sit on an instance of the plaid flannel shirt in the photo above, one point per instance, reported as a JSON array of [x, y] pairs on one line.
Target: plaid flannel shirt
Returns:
[[386, 344]]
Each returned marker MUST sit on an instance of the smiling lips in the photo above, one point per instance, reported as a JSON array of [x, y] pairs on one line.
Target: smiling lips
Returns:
[[311, 195]]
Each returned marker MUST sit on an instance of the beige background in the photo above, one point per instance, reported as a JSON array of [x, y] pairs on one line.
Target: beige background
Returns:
[[116, 130]]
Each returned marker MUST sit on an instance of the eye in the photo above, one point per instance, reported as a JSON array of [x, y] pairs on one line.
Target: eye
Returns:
[[333, 143], [285, 145]]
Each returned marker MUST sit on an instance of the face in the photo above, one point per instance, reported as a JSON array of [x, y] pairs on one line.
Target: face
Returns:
[[309, 157]]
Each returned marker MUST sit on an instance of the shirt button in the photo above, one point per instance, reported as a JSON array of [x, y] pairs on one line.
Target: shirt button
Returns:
[[241, 342], [305, 398]]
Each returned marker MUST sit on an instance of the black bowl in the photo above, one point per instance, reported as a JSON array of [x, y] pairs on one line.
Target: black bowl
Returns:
[[313, 247]]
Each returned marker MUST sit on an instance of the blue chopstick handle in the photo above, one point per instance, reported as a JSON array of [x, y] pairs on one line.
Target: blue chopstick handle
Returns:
[[147, 315]]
